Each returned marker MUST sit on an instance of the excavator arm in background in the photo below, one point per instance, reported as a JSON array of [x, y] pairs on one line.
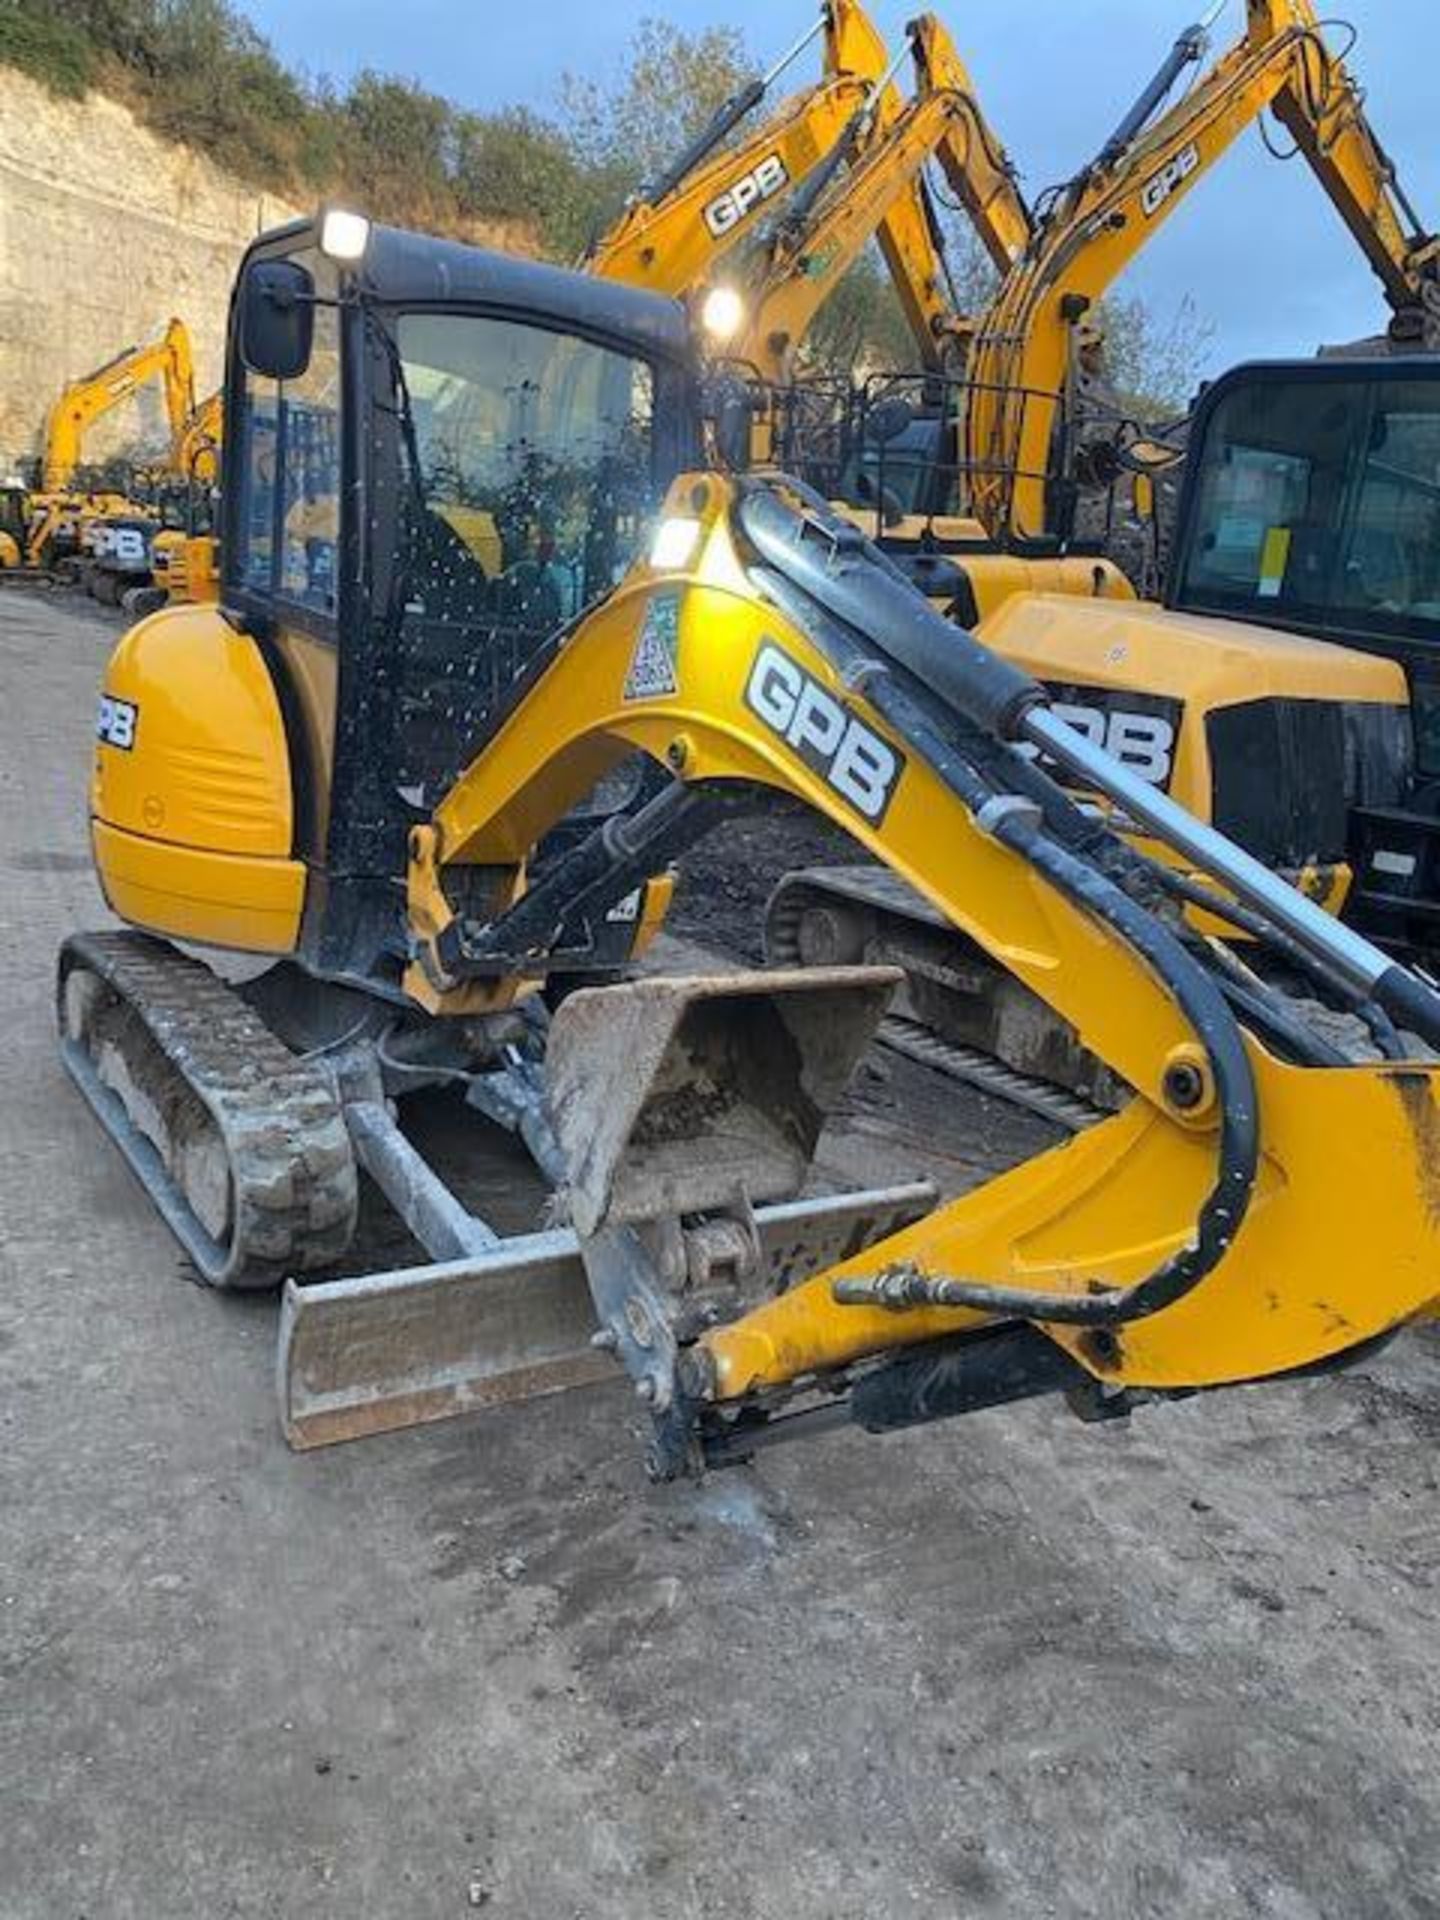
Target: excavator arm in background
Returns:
[[875, 195], [1102, 219], [168, 359], [975, 163], [197, 452], [678, 229], [984, 180]]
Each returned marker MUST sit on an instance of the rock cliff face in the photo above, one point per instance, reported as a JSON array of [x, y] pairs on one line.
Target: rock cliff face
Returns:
[[105, 231]]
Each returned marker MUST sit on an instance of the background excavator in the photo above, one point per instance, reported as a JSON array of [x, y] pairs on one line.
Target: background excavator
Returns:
[[405, 778], [178, 558], [1025, 361], [63, 510], [872, 185], [56, 521], [1193, 706], [851, 199], [676, 235]]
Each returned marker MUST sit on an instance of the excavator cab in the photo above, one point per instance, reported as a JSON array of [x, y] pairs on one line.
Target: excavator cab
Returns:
[[1312, 505], [435, 462]]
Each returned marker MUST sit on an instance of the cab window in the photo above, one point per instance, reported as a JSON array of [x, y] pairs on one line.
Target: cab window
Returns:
[[290, 517], [1318, 502], [533, 450], [530, 479]]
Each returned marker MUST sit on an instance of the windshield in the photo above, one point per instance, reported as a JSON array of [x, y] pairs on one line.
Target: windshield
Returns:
[[534, 449], [1318, 506], [532, 482]]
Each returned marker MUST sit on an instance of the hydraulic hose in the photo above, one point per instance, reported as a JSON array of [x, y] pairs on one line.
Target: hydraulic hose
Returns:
[[1198, 998], [726, 117], [1187, 51], [1018, 824]]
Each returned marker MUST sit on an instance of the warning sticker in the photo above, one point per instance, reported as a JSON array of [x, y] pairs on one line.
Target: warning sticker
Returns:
[[653, 665], [1274, 557]]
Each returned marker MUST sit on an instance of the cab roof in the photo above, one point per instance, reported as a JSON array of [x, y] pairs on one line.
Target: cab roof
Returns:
[[419, 269]]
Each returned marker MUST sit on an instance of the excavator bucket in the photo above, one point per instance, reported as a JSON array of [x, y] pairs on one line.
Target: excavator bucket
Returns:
[[674, 1096]]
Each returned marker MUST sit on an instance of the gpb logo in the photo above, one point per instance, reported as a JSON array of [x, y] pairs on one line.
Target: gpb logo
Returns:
[[728, 209], [1171, 177], [1143, 743], [862, 768], [116, 721]]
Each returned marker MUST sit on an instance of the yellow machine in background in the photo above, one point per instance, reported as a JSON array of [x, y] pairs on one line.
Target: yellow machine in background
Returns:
[[183, 562], [62, 509], [1316, 758], [197, 451], [871, 186], [677, 232], [852, 200], [441, 792], [1025, 359], [14, 523], [87, 401]]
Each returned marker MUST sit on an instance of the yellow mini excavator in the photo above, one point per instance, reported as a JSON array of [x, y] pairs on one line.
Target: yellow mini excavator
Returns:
[[423, 789]]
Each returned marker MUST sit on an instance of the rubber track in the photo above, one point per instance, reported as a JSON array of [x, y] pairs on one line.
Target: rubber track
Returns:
[[889, 894], [294, 1189], [983, 1070]]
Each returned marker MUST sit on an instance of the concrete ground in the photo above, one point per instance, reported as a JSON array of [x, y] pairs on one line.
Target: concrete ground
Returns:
[[1010, 1666]]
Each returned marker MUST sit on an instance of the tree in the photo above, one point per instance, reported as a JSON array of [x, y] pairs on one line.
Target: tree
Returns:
[[1155, 362], [672, 84], [399, 147], [860, 325], [513, 165]]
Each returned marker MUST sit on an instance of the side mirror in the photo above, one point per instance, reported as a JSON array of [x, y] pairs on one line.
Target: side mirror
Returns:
[[888, 419], [277, 319]]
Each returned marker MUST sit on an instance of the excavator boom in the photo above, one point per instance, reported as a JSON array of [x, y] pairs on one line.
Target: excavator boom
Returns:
[[878, 190], [846, 146], [975, 163], [1108, 213], [86, 401], [676, 234]]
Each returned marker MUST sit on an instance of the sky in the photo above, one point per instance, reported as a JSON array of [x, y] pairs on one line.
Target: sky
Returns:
[[1258, 246]]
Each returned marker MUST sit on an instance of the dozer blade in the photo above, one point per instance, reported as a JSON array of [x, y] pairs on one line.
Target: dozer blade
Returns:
[[393, 1350], [673, 1096]]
